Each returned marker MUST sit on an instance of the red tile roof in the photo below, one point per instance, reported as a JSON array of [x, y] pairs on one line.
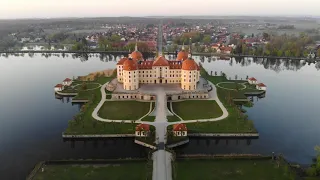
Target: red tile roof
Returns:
[[161, 61], [145, 65], [67, 80], [252, 79], [179, 127], [261, 85], [121, 61], [59, 85], [143, 127], [175, 64]]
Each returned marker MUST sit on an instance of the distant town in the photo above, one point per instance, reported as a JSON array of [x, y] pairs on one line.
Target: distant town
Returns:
[[246, 36]]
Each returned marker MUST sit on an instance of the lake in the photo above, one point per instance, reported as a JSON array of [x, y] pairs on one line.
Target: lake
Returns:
[[32, 119]]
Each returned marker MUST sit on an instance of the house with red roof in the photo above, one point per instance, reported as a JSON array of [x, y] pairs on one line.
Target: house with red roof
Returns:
[[261, 86], [252, 80], [142, 130], [67, 82], [180, 130], [58, 87]]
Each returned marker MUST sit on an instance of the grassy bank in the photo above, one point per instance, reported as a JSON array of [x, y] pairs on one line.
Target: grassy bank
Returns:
[[232, 170], [197, 109], [120, 171]]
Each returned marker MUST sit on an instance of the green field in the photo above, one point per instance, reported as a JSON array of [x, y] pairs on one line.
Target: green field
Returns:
[[124, 110], [236, 122], [231, 170], [121, 171], [232, 85], [197, 109], [84, 123]]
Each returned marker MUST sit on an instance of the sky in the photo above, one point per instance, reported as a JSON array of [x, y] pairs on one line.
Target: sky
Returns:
[[16, 9]]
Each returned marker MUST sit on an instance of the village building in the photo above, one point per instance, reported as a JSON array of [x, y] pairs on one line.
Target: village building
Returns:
[[261, 86], [180, 130], [58, 87], [142, 130], [67, 82], [252, 80]]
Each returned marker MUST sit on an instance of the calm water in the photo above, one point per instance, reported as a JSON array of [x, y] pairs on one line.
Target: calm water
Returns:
[[31, 119]]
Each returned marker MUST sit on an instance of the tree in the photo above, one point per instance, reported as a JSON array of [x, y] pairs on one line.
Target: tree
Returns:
[[236, 77], [318, 52], [215, 73], [115, 38], [103, 43], [206, 39]]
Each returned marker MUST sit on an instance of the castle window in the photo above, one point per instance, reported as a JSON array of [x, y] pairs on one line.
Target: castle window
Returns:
[[129, 80], [189, 80]]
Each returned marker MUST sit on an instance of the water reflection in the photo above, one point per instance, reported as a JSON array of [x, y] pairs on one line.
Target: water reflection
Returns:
[[274, 64]]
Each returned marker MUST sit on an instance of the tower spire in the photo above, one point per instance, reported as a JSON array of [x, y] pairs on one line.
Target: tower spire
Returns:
[[190, 46], [136, 46], [160, 35]]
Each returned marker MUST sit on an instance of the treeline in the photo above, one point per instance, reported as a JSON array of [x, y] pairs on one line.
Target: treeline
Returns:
[[283, 45]]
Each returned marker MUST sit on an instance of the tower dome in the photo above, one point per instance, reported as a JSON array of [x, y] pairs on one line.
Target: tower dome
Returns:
[[122, 60], [136, 55], [182, 55], [189, 64], [130, 65]]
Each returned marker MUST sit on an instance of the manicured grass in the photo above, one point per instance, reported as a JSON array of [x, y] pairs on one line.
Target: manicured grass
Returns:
[[87, 94], [236, 122], [231, 85], [231, 170], [124, 110], [311, 178], [197, 109], [173, 119], [84, 123], [149, 118], [121, 171]]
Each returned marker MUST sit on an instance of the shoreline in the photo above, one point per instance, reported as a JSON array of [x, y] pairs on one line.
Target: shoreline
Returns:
[[221, 135], [167, 53]]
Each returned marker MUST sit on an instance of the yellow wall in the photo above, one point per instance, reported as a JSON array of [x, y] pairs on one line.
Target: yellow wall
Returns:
[[131, 79]]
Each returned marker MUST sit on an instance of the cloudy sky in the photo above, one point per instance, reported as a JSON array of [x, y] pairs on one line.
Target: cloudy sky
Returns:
[[93, 8]]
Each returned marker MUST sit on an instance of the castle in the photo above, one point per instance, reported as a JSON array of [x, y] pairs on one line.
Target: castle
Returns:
[[134, 70]]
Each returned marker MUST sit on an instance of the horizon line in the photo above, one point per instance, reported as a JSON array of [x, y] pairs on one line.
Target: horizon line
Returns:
[[160, 16]]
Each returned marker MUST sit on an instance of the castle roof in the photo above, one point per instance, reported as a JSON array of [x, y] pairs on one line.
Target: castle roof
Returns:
[[189, 64], [130, 65], [161, 61]]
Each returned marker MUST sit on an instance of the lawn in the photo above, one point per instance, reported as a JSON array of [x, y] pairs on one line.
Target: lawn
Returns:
[[87, 94], [124, 110], [236, 122], [173, 119], [231, 170], [84, 123], [90, 85], [197, 109], [121, 171], [231, 85]]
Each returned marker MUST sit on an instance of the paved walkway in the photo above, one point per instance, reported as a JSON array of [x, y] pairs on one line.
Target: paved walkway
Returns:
[[161, 158], [243, 84]]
